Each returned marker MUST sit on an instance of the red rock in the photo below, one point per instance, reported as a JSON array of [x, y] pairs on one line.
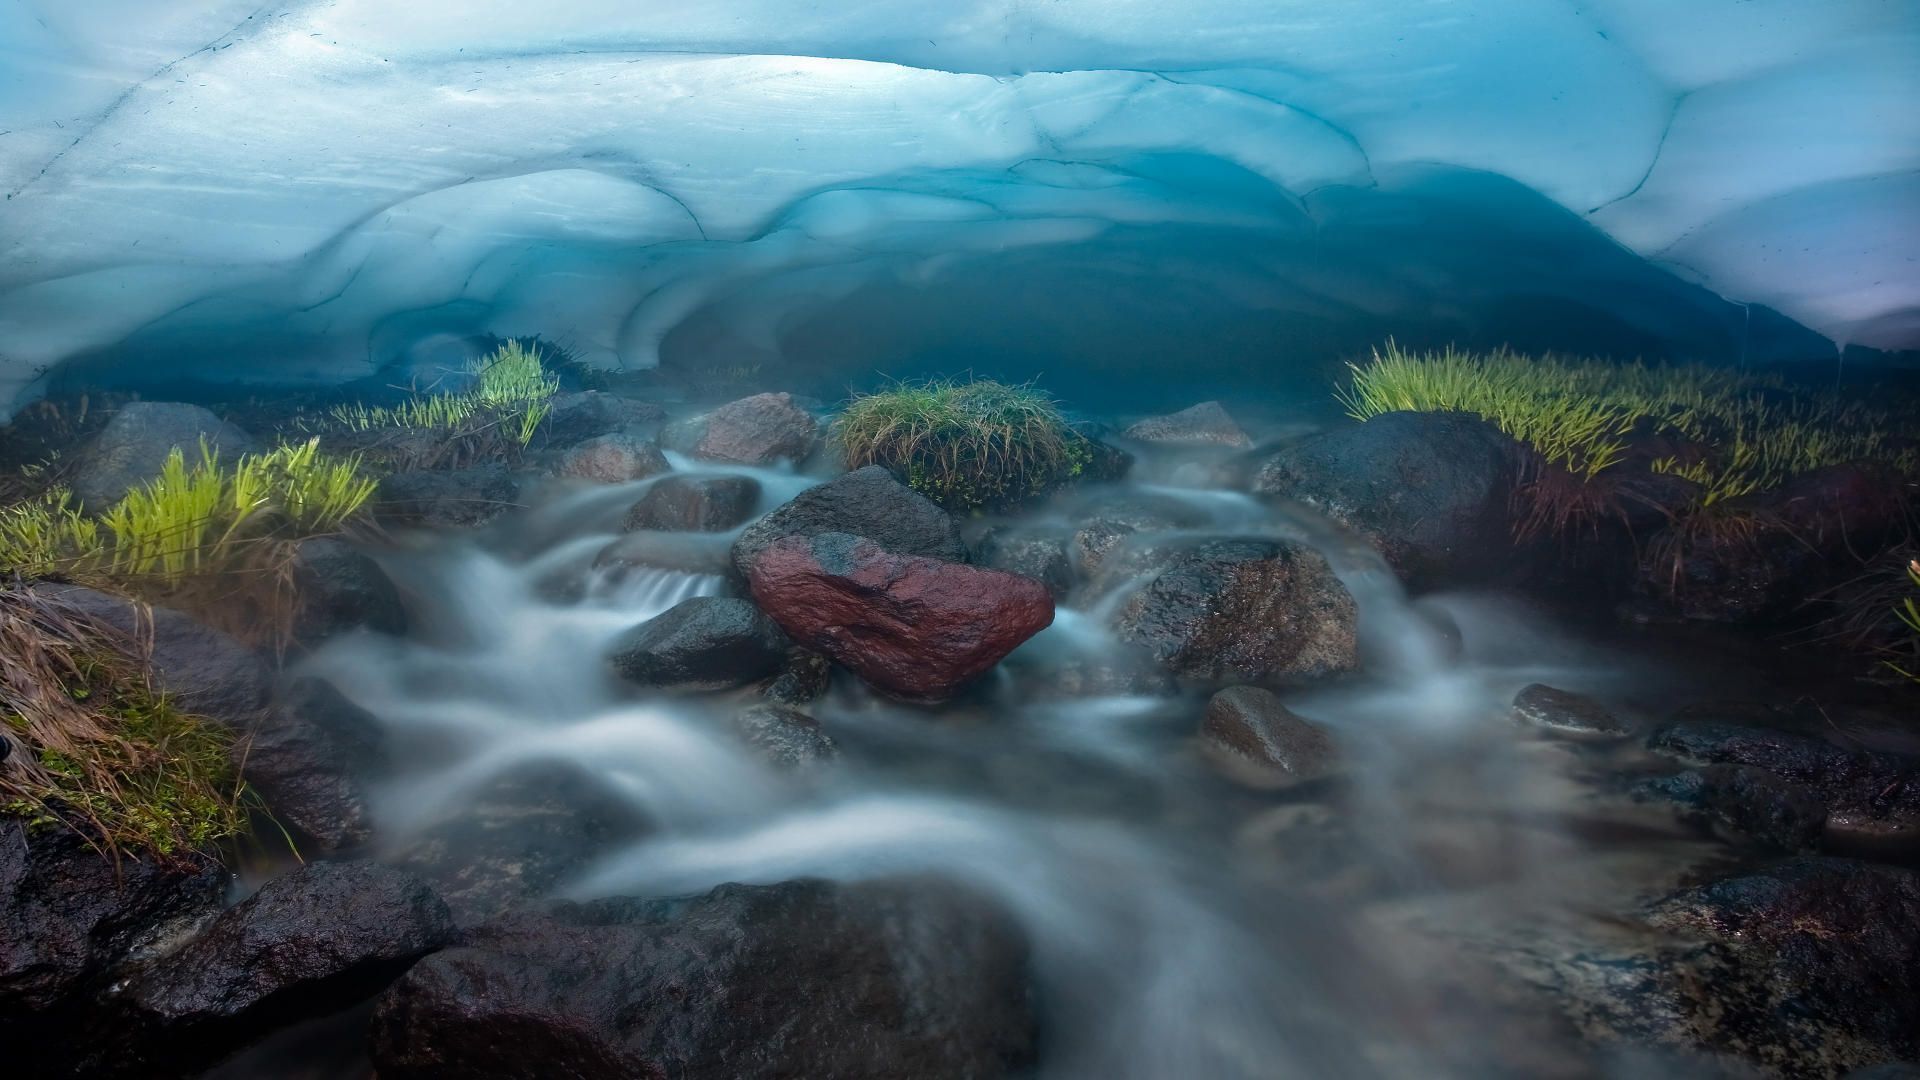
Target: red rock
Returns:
[[913, 627]]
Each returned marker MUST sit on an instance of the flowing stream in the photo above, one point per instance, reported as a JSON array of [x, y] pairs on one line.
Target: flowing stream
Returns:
[[1181, 927]]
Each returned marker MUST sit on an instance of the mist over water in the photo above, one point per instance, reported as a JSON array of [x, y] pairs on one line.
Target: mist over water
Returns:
[[1178, 929]]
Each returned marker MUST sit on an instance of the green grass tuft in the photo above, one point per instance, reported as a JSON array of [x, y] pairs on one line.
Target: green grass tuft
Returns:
[[93, 748], [1752, 432], [967, 446], [190, 520], [1908, 612], [510, 390]]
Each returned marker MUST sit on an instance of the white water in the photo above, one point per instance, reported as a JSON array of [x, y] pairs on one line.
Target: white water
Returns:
[[1169, 941]]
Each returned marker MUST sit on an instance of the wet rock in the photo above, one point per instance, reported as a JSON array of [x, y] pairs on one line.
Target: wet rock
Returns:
[[1043, 556], [866, 502], [1264, 743], [198, 668], [340, 588], [1196, 425], [694, 553], [1432, 491], [758, 430], [1565, 712], [1750, 806], [695, 504], [1831, 951], [308, 943], [806, 978], [68, 914], [786, 737], [1257, 611], [1788, 545], [805, 678], [1117, 521], [1106, 462], [914, 627], [612, 459], [706, 643], [447, 498], [518, 836], [308, 760], [133, 446], [1873, 794], [576, 417]]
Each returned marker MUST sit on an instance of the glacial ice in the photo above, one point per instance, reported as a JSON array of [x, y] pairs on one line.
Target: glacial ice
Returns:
[[320, 189]]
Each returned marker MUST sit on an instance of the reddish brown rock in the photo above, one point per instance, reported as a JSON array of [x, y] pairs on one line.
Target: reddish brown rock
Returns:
[[758, 430], [914, 627]]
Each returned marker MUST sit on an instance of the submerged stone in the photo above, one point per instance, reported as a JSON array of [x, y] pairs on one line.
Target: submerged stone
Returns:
[[1550, 708], [1264, 743], [1196, 425]]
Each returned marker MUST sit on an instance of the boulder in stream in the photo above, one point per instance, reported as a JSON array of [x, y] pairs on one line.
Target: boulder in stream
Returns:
[[1241, 610], [341, 588], [1261, 742], [1564, 712], [1431, 490], [914, 627], [885, 978], [705, 643], [757, 430], [615, 458], [866, 502], [695, 504]]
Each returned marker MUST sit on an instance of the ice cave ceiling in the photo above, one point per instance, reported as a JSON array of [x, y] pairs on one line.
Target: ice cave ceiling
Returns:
[[319, 188]]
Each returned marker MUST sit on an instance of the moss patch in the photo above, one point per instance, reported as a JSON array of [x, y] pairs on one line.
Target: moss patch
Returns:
[[967, 446]]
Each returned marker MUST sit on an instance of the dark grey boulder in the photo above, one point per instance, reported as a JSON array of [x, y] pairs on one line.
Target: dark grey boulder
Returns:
[[1567, 713], [866, 502], [576, 417], [695, 504], [309, 759], [447, 498], [310, 942], [1868, 793], [198, 668], [1264, 743], [1432, 491], [69, 913], [706, 643], [133, 446], [802, 979], [1746, 805], [1253, 611], [341, 588]]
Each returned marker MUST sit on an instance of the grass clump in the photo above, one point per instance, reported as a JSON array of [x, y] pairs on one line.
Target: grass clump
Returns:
[[509, 392], [1907, 611], [90, 746], [192, 519], [1746, 433], [967, 446]]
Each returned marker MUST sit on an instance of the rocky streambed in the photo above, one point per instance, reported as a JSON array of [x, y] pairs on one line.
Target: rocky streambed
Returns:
[[676, 750]]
